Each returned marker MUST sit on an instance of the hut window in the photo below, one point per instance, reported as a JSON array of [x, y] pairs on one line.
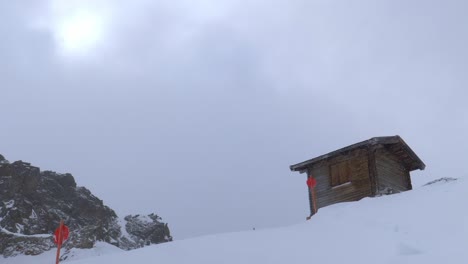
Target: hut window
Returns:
[[340, 173]]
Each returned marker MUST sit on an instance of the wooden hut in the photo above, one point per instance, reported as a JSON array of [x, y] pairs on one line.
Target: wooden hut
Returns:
[[377, 166]]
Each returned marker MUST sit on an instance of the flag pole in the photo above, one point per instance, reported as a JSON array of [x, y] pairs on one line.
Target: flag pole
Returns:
[[314, 199], [59, 242], [311, 183]]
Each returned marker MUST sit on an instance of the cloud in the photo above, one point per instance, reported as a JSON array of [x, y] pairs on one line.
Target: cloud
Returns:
[[195, 109]]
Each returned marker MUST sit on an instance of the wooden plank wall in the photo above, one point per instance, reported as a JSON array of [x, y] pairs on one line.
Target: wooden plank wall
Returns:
[[358, 188], [391, 173]]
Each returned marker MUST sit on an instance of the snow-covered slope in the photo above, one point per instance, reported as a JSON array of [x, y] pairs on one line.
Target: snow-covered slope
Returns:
[[101, 248], [426, 225]]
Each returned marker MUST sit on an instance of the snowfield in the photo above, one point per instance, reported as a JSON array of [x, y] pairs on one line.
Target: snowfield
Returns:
[[423, 226]]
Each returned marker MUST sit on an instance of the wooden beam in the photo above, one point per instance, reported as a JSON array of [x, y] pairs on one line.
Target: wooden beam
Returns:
[[372, 170]]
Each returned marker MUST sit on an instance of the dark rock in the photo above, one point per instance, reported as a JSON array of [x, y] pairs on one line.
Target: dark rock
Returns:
[[66, 180], [441, 180], [146, 230], [386, 191], [32, 203], [13, 245]]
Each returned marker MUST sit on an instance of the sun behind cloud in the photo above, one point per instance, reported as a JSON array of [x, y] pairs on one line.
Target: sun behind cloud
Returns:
[[79, 33], [79, 28]]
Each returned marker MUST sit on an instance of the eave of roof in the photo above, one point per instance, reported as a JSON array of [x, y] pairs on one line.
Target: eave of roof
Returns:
[[364, 144]]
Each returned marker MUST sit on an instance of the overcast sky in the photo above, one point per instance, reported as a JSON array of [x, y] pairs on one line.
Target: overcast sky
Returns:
[[195, 109]]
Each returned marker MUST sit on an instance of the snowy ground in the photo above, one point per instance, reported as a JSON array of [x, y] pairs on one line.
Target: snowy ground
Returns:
[[426, 225]]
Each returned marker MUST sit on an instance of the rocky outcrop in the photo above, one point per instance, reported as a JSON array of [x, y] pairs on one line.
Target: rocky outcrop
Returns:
[[32, 203], [146, 230], [441, 180]]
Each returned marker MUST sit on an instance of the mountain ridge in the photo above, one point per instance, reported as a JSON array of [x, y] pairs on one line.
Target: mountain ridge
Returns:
[[32, 203]]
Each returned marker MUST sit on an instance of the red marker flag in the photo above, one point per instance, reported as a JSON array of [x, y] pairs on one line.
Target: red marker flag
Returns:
[[311, 182], [59, 238], [60, 235]]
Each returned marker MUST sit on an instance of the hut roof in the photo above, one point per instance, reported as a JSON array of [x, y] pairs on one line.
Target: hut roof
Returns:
[[394, 143]]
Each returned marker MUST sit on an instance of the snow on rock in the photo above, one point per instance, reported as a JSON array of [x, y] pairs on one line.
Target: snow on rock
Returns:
[[142, 230], [33, 214], [9, 204], [19, 228], [3, 160], [3, 230]]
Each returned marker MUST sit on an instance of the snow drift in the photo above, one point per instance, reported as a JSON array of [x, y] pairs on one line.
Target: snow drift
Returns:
[[426, 225]]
